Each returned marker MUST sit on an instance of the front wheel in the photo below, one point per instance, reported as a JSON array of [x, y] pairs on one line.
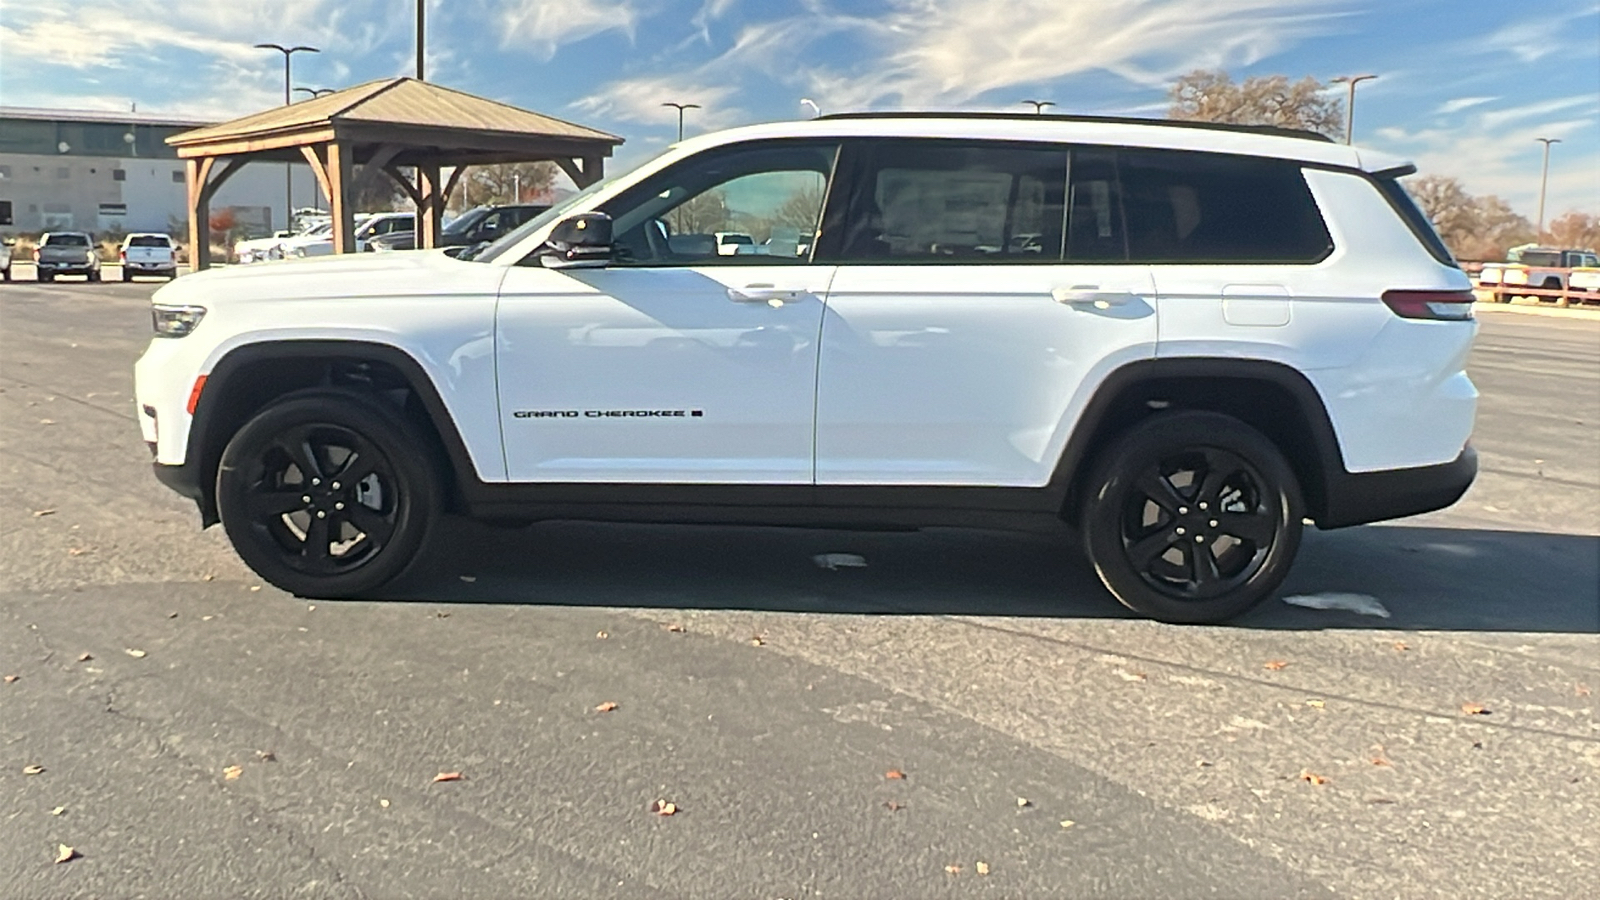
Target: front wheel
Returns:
[[94, 275], [1192, 517], [328, 493]]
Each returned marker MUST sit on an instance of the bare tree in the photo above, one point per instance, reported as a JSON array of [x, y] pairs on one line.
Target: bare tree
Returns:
[[1478, 228], [379, 193], [500, 183], [1575, 231], [1210, 95], [702, 214]]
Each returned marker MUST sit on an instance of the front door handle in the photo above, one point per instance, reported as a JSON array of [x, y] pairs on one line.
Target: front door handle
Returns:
[[764, 293], [1092, 295]]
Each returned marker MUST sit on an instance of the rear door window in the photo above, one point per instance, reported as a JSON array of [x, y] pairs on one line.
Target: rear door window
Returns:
[[1186, 207], [961, 203]]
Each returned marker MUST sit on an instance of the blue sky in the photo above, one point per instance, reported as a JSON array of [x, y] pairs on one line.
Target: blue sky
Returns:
[[1465, 86]]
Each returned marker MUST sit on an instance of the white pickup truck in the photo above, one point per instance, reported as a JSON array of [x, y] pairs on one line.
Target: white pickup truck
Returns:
[[1544, 268], [148, 254]]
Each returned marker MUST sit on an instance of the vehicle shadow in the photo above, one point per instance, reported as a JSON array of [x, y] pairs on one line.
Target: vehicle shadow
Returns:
[[1429, 578]]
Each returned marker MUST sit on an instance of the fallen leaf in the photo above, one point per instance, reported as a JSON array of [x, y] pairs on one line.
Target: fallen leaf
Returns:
[[1380, 761], [953, 870], [1380, 800], [1580, 690], [1023, 801], [982, 867], [1275, 664], [32, 770], [266, 756], [1474, 709], [136, 654], [1067, 823], [384, 803], [607, 706], [1312, 777], [172, 615], [447, 776], [78, 551], [674, 626], [58, 811], [757, 640], [1130, 676], [47, 421], [601, 635], [895, 775], [208, 578], [232, 773], [255, 587], [65, 854], [894, 805], [85, 657], [664, 808], [1316, 704], [10, 678], [38, 513], [1401, 646]]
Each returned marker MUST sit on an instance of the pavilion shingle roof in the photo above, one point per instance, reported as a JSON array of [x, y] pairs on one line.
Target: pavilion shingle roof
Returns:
[[395, 101]]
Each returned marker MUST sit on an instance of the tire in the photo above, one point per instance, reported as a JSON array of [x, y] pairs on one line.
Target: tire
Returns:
[[6, 272], [45, 277], [94, 275], [384, 517], [1160, 484], [126, 275], [1550, 284]]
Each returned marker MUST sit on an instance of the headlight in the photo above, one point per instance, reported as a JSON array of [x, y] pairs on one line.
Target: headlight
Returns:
[[175, 321]]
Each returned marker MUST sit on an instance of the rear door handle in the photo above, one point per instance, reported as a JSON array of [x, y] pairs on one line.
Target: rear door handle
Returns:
[[1091, 295], [764, 293]]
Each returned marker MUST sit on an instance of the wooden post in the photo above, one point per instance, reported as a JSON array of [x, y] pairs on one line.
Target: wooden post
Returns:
[[344, 222], [198, 171], [430, 211]]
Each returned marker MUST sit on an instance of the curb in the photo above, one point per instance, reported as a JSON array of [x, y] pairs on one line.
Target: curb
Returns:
[[1539, 309]]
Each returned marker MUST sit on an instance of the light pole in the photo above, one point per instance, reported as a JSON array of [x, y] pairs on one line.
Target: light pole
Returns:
[[288, 168], [422, 8], [1350, 104], [1039, 105], [1544, 178], [516, 186], [815, 109], [680, 107], [314, 92]]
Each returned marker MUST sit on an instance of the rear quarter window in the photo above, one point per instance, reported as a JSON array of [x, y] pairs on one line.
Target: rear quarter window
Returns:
[[1415, 219], [1188, 207]]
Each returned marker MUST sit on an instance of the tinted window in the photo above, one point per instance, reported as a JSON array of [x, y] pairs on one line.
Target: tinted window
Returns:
[[770, 193], [1212, 208], [943, 202], [67, 240], [148, 240], [1094, 223]]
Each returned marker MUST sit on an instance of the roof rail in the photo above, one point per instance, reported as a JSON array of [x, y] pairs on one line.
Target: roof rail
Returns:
[[1275, 130]]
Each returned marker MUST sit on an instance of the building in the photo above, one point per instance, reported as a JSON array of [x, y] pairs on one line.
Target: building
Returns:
[[102, 171]]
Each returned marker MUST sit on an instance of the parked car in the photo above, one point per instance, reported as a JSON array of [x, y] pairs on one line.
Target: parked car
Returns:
[[1211, 335], [1533, 266], [476, 225], [370, 227], [67, 253], [148, 254], [261, 249], [5, 256], [732, 243]]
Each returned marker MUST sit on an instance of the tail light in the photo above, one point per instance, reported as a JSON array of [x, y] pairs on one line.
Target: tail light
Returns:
[[36, 254], [1447, 306], [123, 254]]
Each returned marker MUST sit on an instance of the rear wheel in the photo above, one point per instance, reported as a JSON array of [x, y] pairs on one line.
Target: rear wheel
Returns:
[[1192, 517], [328, 493], [126, 275], [94, 275], [45, 276]]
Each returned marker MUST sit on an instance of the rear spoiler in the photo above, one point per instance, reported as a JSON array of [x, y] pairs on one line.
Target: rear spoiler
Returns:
[[1385, 165]]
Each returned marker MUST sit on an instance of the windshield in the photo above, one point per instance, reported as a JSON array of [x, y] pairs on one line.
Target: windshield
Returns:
[[1547, 258], [513, 237], [465, 221]]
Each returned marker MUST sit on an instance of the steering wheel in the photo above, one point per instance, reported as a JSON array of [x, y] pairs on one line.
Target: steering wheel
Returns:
[[656, 232]]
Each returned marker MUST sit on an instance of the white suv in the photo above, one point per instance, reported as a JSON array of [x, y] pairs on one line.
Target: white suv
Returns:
[[1183, 340]]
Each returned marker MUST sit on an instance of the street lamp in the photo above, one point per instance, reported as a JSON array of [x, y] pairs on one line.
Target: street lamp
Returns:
[[288, 168], [315, 92], [1350, 105], [1544, 178], [680, 107], [815, 109], [1039, 105]]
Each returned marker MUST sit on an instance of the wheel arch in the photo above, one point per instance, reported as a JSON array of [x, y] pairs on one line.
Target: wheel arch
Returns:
[[248, 377], [1271, 397]]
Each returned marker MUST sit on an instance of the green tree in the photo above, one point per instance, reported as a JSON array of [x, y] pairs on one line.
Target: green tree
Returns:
[[1211, 95]]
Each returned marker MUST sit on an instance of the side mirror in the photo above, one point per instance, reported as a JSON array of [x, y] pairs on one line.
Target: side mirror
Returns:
[[580, 241]]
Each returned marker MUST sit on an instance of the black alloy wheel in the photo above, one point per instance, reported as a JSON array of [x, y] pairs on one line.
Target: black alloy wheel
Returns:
[[327, 493], [1193, 517]]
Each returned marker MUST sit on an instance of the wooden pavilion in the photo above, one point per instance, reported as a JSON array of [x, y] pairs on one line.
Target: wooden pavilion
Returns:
[[384, 127]]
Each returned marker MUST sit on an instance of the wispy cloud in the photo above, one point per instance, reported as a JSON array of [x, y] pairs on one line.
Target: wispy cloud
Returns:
[[543, 26], [639, 100], [1499, 118], [1538, 35], [1450, 107]]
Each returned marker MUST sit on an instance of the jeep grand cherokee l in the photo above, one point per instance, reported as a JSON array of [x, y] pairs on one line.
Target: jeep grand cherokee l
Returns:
[[1184, 340]]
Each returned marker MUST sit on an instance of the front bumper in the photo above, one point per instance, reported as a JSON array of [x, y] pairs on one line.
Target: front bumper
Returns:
[[1361, 497]]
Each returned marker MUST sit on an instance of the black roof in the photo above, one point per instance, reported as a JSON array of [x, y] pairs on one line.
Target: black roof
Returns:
[[1275, 130]]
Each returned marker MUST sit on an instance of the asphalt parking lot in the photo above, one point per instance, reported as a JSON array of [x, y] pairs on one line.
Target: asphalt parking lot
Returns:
[[199, 735]]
